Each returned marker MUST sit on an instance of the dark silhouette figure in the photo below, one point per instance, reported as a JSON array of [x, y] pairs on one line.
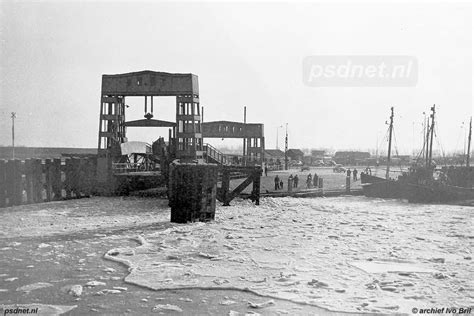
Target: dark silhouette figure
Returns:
[[295, 181], [315, 180], [354, 173], [309, 179], [368, 171], [277, 182]]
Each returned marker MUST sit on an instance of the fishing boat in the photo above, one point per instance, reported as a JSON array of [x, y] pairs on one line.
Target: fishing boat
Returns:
[[425, 183], [428, 184], [374, 186]]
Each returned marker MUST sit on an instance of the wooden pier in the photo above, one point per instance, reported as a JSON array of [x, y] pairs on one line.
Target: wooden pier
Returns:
[[35, 181], [250, 174], [308, 193]]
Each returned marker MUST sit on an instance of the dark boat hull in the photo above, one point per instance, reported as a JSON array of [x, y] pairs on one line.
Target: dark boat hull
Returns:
[[380, 188], [388, 190], [415, 193], [438, 194]]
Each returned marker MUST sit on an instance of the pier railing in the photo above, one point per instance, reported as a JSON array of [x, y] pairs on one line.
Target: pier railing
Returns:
[[216, 155]]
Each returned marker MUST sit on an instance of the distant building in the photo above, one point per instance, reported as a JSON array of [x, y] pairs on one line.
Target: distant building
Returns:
[[274, 156], [403, 159], [308, 160], [295, 154], [318, 154], [351, 157]]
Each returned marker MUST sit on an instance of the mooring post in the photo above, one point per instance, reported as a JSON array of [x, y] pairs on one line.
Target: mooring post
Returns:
[[29, 184], [68, 179], [37, 180], [225, 186], [47, 172], [193, 192], [76, 177], [259, 176], [56, 180], [14, 180]]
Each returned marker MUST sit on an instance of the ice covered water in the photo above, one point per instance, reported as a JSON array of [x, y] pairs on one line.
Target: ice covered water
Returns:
[[345, 254]]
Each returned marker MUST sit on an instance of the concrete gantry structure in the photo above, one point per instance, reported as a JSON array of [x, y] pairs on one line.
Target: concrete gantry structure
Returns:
[[192, 184], [187, 134]]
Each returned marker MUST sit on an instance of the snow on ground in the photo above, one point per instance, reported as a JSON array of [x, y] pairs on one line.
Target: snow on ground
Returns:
[[344, 254]]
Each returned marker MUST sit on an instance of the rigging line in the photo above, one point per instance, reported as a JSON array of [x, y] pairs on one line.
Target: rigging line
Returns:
[[440, 145], [425, 147], [420, 152], [459, 137], [396, 147], [384, 139], [422, 134]]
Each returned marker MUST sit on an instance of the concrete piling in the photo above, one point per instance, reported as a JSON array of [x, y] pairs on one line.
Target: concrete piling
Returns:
[[192, 192]]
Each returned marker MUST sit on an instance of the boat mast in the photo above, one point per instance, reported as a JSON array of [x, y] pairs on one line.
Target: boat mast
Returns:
[[433, 110], [389, 145], [468, 156], [427, 142]]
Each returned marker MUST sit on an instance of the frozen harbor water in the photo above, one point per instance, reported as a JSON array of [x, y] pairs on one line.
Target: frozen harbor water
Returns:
[[343, 254]]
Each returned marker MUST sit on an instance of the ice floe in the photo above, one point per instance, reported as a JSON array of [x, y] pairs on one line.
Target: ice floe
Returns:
[[346, 254]]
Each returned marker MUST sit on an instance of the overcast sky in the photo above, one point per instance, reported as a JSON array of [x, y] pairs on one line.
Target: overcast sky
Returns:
[[53, 55]]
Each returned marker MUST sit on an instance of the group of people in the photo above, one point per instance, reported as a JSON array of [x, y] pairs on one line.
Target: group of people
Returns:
[[354, 174], [278, 183], [293, 181], [311, 181]]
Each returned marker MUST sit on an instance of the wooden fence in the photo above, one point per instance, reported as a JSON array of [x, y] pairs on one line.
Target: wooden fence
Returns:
[[36, 180]]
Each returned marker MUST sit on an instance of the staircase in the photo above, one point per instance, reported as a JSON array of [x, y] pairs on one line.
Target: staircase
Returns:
[[212, 155]]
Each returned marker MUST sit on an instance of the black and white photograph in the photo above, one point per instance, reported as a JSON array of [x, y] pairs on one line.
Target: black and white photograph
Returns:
[[236, 157]]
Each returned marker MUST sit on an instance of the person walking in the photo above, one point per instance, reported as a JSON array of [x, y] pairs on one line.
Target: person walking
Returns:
[[295, 181], [309, 179], [315, 180], [281, 184], [266, 171], [277, 182], [354, 173], [349, 173]]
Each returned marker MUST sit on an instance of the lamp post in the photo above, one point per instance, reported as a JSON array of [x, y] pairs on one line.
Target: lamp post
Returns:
[[286, 148], [278, 127], [13, 134]]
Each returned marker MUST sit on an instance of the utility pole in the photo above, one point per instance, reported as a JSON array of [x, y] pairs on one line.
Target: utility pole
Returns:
[[276, 147], [387, 173], [468, 156], [13, 134], [433, 109], [423, 135], [464, 139], [244, 140], [286, 148], [427, 141]]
